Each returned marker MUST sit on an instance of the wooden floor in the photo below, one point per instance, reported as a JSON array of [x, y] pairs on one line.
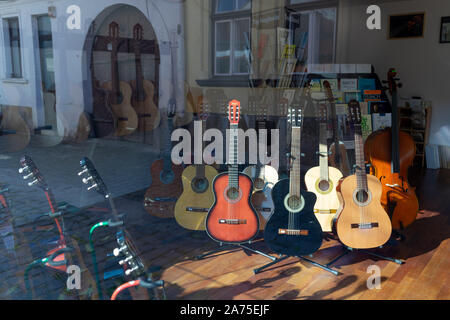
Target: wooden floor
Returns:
[[229, 274]]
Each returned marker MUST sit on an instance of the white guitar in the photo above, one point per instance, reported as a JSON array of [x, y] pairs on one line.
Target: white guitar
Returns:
[[323, 180]]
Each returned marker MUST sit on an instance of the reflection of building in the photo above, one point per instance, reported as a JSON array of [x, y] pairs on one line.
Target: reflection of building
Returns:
[[41, 56]]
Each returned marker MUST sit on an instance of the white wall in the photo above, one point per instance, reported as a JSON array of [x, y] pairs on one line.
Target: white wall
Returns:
[[423, 63], [70, 60]]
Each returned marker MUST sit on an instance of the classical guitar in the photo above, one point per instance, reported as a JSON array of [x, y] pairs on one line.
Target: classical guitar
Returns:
[[362, 223], [166, 187], [197, 197], [133, 265], [143, 90], [232, 218], [322, 180], [293, 229], [263, 176], [30, 171], [338, 158], [119, 91], [391, 152]]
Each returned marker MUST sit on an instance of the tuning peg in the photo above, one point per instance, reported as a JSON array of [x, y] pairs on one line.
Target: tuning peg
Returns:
[[33, 182], [117, 251], [122, 262], [93, 186], [86, 180], [27, 176], [82, 172], [129, 271], [21, 170]]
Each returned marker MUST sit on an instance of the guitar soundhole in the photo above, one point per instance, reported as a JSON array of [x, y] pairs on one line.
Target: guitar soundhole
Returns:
[[167, 177], [259, 183], [362, 196], [324, 185], [294, 202], [200, 185], [233, 193]]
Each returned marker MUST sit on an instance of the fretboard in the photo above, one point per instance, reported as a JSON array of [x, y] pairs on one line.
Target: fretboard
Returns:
[[233, 167], [323, 152], [360, 169], [294, 183]]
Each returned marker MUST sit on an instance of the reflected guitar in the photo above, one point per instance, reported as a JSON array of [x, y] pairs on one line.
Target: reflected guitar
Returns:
[[197, 197], [119, 91], [293, 229], [143, 90], [390, 165], [160, 198], [362, 222], [232, 218]]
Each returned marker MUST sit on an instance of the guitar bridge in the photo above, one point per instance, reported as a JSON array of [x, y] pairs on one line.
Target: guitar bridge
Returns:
[[261, 209], [232, 221], [325, 211], [196, 209], [365, 225], [292, 232]]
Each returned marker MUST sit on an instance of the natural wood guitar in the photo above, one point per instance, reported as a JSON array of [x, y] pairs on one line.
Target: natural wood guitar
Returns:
[[232, 218], [322, 180], [120, 92], [198, 196], [362, 223], [143, 90], [166, 187]]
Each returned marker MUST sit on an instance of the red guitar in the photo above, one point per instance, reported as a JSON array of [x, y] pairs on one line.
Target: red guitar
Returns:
[[232, 218]]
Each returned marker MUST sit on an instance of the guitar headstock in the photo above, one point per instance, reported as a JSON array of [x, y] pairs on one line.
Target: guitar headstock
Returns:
[[295, 117], [134, 267], [92, 178], [322, 113], [234, 110], [328, 91], [392, 80], [354, 112], [138, 32], [30, 171], [283, 105], [113, 31], [203, 108]]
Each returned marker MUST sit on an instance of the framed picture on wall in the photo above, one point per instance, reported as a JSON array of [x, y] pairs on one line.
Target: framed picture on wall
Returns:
[[406, 25], [445, 30]]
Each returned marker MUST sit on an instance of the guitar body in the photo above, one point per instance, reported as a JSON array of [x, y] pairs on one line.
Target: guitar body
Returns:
[[264, 178], [343, 165], [147, 111], [352, 213], [292, 245], [239, 209], [103, 119], [197, 198], [164, 191], [327, 201], [400, 202], [127, 120]]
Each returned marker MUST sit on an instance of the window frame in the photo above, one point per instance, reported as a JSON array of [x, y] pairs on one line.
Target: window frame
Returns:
[[230, 16], [8, 54]]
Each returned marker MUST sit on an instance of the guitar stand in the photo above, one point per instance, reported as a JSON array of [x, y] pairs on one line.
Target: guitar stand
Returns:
[[348, 250]]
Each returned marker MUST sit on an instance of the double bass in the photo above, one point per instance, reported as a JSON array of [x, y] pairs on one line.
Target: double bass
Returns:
[[390, 165]]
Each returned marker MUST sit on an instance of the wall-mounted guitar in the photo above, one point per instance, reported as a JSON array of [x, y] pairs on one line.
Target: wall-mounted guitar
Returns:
[[338, 158], [197, 197], [263, 176], [232, 218], [293, 229], [143, 90], [322, 180], [119, 91], [362, 222], [30, 171], [390, 165], [166, 187]]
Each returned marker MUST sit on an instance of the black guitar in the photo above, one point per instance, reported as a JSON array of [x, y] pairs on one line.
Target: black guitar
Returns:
[[293, 229]]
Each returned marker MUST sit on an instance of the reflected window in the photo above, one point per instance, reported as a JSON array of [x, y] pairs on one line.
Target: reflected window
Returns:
[[232, 37], [12, 54]]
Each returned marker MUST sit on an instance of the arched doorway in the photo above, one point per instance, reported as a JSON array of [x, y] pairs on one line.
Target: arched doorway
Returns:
[[121, 46]]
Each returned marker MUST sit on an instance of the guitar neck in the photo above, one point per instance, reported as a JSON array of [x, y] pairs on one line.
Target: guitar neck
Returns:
[[233, 167], [323, 152], [51, 200], [200, 168], [115, 213], [115, 75], [294, 175], [139, 73], [360, 171]]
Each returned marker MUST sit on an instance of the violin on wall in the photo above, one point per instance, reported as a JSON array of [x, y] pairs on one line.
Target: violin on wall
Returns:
[[390, 165]]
